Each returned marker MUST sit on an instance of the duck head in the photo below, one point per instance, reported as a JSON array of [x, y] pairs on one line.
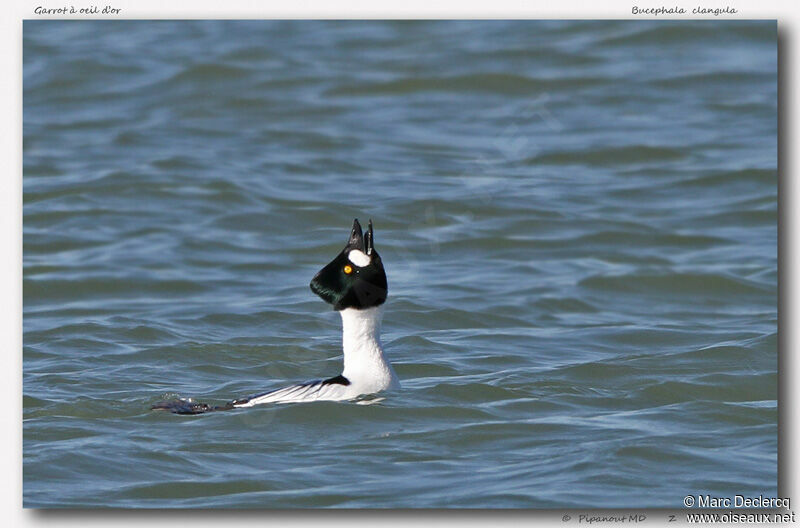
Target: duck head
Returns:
[[355, 278]]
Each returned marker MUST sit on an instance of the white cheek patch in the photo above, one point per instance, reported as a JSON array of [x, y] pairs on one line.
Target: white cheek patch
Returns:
[[358, 257]]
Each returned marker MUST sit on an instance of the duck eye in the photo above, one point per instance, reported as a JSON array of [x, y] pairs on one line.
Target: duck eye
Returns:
[[348, 269]]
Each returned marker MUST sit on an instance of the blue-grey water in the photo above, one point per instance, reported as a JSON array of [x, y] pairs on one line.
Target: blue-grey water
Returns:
[[578, 221]]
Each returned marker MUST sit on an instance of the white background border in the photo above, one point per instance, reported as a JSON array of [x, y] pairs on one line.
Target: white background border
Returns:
[[786, 12]]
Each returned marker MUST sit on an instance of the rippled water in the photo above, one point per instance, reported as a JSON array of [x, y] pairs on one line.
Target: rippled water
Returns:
[[578, 221]]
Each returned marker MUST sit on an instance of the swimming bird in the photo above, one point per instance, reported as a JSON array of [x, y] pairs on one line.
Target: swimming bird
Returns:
[[354, 283]]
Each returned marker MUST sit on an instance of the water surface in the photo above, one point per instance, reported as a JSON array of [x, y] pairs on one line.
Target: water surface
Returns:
[[578, 222]]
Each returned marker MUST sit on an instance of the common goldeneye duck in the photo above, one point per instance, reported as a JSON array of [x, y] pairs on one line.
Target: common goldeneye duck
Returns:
[[354, 283]]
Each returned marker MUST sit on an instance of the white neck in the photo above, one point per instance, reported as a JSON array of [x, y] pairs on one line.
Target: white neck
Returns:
[[364, 362]]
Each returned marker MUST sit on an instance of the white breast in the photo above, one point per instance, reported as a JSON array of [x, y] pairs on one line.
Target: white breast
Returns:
[[365, 365]]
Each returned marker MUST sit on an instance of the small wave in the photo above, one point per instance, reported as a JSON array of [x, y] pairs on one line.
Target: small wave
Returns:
[[610, 156], [647, 239], [208, 72], [177, 162], [753, 175], [565, 305], [505, 84], [720, 388], [189, 489], [41, 169], [248, 54], [722, 79], [676, 284], [686, 34], [93, 287]]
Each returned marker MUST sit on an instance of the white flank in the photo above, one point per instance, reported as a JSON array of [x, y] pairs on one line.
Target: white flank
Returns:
[[365, 366]]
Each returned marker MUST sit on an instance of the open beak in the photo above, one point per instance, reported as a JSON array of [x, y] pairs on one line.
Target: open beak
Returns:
[[368, 240], [356, 237]]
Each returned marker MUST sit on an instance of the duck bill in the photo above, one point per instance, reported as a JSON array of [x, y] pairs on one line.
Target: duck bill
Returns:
[[356, 240]]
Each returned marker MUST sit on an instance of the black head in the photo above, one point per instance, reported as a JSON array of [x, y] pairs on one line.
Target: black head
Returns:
[[355, 278]]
